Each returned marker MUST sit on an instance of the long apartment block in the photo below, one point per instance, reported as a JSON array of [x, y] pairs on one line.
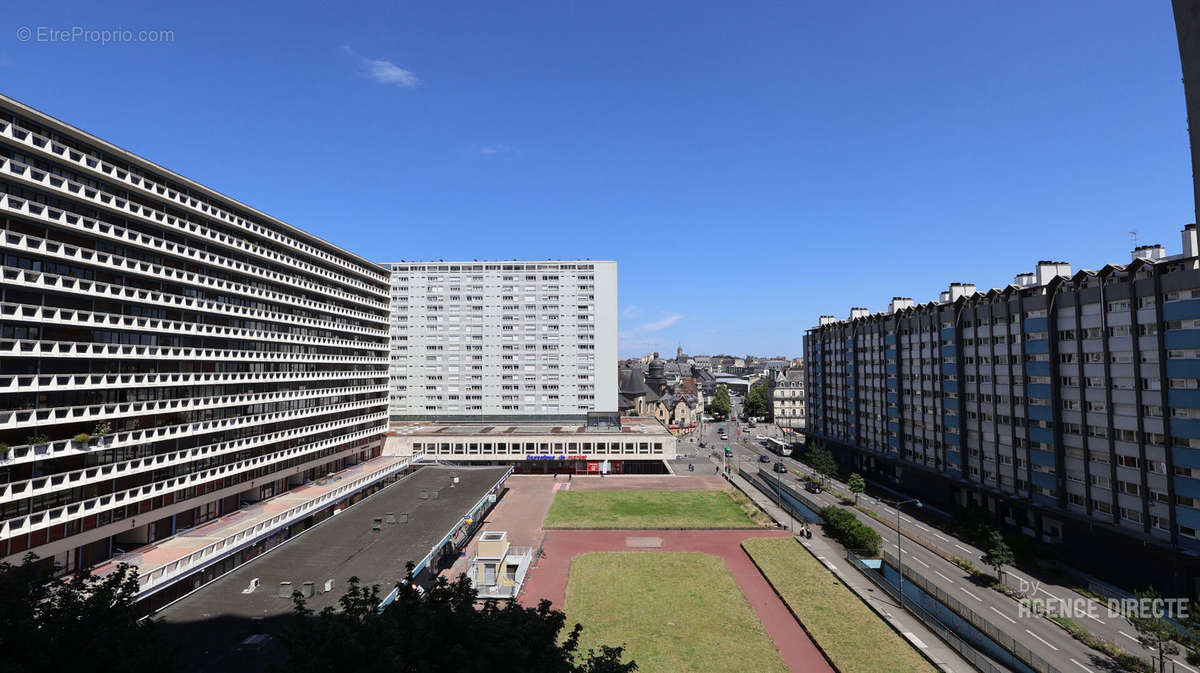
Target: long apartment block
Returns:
[[1067, 404], [494, 341], [168, 355]]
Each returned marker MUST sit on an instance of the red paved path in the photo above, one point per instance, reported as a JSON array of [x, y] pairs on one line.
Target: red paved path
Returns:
[[549, 580]]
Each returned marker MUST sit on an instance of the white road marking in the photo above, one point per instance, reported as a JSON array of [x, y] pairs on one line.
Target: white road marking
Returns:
[[963, 548], [971, 594], [1050, 595], [921, 562], [1039, 638], [1003, 615], [1183, 666], [943, 577], [1128, 636], [1090, 616], [1081, 666], [943, 539]]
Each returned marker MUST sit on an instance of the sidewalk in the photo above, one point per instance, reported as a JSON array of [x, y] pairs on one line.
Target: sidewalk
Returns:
[[910, 627]]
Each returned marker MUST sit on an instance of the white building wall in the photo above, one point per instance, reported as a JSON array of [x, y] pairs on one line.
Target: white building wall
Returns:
[[477, 340]]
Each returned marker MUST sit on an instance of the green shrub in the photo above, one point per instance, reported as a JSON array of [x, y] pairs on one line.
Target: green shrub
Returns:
[[850, 532], [83, 438], [37, 438]]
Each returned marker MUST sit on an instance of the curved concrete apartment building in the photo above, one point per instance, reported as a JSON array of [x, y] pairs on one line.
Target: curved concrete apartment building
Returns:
[[168, 355]]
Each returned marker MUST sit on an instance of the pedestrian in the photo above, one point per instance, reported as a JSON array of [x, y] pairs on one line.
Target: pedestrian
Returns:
[[570, 476]]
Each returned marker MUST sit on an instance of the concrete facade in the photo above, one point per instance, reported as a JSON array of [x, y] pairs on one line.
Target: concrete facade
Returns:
[[494, 340], [1066, 404]]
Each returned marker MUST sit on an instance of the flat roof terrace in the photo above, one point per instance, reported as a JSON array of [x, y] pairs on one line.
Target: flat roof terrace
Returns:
[[629, 425], [209, 625]]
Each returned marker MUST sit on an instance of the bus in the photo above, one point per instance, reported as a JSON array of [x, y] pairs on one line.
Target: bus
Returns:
[[777, 446]]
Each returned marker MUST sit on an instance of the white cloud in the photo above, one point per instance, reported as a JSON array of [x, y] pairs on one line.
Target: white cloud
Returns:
[[384, 71], [496, 149], [631, 311], [662, 323]]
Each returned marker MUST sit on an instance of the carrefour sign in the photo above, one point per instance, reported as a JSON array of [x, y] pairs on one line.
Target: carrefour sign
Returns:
[[555, 457]]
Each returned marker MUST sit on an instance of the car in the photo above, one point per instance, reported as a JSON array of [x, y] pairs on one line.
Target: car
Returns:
[[779, 467], [702, 444], [728, 452], [764, 459], [812, 487]]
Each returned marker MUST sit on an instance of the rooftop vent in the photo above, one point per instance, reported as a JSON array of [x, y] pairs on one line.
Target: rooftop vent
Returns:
[[1152, 252], [1190, 248], [1048, 270]]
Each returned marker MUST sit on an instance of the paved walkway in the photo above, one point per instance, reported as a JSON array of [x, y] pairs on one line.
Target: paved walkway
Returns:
[[549, 580], [946, 658], [519, 512]]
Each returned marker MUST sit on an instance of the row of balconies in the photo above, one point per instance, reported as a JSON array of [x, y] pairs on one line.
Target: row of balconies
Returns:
[[49, 281], [28, 523], [72, 349], [38, 486], [12, 419], [28, 453], [95, 197], [57, 382], [95, 228], [44, 146], [93, 320]]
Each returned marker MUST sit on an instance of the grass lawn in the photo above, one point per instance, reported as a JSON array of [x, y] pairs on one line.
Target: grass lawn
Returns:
[[853, 636], [673, 611], [652, 509]]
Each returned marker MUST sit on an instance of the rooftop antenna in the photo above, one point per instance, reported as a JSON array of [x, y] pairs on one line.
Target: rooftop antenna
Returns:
[[1134, 235]]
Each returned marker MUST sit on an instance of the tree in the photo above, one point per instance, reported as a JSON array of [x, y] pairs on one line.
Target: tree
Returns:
[[721, 407], [821, 460], [758, 401], [857, 485], [997, 553], [1154, 632], [77, 622], [444, 630]]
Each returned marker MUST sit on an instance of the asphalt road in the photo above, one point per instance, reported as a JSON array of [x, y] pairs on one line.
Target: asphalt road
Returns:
[[1041, 636]]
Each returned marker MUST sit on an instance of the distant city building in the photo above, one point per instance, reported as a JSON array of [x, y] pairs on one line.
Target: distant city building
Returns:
[[787, 399], [489, 341], [1067, 405]]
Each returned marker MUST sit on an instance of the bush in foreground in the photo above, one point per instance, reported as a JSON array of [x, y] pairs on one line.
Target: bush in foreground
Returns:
[[444, 630]]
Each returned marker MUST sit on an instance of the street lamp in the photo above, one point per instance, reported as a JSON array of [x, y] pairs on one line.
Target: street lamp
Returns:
[[899, 539]]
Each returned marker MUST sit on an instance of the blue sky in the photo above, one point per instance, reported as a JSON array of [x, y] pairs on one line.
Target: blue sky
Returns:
[[750, 165]]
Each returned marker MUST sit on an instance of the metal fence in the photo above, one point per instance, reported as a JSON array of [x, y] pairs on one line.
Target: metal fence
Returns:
[[986, 627], [967, 651]]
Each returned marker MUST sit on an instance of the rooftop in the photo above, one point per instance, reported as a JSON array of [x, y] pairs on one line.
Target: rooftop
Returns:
[[214, 620], [629, 425]]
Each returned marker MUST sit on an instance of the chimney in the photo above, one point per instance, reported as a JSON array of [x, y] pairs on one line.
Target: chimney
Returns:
[[1025, 280], [1153, 252], [858, 312], [944, 297], [827, 320], [899, 303], [1190, 247], [960, 290], [1047, 270]]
